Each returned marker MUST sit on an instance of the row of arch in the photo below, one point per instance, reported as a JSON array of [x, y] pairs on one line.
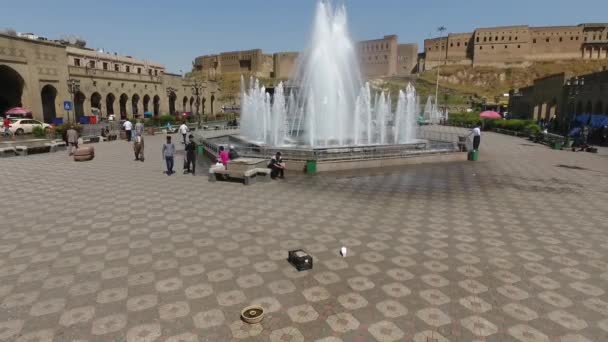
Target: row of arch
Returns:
[[12, 86], [547, 110]]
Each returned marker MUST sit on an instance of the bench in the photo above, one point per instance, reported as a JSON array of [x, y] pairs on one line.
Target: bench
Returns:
[[21, 150], [7, 152], [249, 176]]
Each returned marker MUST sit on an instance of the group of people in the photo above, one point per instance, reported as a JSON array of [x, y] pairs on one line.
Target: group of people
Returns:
[[168, 153]]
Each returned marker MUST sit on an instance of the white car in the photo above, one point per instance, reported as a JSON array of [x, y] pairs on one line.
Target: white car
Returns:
[[25, 126]]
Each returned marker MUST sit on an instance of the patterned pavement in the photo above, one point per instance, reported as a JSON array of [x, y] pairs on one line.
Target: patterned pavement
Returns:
[[511, 248]]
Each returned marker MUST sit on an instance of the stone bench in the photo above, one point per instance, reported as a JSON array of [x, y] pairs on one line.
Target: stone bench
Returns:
[[249, 176], [21, 150], [7, 152]]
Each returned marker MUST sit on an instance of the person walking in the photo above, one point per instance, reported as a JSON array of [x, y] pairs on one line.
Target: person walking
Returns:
[[190, 155], [476, 132], [168, 152], [7, 126], [139, 128], [183, 129], [128, 126], [138, 147], [72, 139]]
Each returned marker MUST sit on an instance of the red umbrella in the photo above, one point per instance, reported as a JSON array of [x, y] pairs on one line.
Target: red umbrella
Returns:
[[490, 115], [18, 111]]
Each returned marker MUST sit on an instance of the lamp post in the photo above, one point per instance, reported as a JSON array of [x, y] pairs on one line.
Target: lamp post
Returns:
[[170, 91], [441, 29], [73, 88], [197, 89], [574, 85]]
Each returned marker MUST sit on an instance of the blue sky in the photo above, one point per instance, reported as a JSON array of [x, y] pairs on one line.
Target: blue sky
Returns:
[[174, 32]]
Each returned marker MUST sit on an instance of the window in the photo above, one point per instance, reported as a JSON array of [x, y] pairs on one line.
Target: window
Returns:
[[127, 68], [92, 64], [116, 67], [492, 47], [496, 38], [502, 38], [571, 38], [510, 38], [519, 46], [534, 41], [77, 61], [458, 44], [105, 65], [478, 39], [481, 48], [505, 47], [451, 44], [466, 44], [561, 39], [139, 70], [515, 37], [485, 39], [150, 72], [547, 40], [490, 38]]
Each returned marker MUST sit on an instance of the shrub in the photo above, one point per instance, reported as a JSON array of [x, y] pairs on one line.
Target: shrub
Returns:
[[61, 129], [38, 132]]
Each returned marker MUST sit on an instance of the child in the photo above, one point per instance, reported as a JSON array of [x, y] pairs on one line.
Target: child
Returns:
[[168, 152], [224, 158]]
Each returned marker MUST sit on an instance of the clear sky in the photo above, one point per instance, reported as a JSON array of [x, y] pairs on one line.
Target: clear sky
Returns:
[[174, 32]]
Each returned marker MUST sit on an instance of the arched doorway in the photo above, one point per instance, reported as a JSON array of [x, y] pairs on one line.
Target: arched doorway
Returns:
[[79, 99], [579, 108], [172, 99], [146, 102], [156, 102], [110, 103], [48, 94], [552, 109], [184, 103], [135, 105], [599, 107], [191, 103], [212, 102], [96, 103], [203, 106], [11, 88], [123, 106]]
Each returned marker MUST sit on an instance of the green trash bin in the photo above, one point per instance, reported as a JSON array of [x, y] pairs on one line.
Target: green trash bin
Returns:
[[311, 166], [473, 155], [200, 149], [557, 145]]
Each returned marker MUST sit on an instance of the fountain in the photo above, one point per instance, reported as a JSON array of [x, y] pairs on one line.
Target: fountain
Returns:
[[326, 113], [332, 106]]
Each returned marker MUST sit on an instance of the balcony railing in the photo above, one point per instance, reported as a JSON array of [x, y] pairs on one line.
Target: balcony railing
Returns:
[[113, 75]]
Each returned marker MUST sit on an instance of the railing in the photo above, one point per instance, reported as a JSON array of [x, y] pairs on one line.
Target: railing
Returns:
[[430, 141]]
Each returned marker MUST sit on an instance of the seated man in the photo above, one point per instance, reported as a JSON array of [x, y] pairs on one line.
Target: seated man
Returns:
[[232, 153], [277, 167]]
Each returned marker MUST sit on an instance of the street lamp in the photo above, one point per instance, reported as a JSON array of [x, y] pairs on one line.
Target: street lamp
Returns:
[[73, 88], [197, 89], [441, 29]]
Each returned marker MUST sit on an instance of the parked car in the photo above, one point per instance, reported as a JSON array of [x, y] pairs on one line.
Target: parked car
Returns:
[[25, 126]]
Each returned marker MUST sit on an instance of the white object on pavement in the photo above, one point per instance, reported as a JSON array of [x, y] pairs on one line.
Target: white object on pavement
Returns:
[[343, 252]]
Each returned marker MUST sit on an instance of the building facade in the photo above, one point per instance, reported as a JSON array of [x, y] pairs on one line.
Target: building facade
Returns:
[[40, 75], [284, 64], [518, 45], [562, 95], [386, 57], [251, 62]]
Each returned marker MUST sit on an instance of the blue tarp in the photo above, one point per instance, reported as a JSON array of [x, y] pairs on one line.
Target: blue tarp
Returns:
[[592, 120]]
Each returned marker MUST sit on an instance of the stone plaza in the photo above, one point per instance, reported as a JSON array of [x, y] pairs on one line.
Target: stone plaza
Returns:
[[510, 248]]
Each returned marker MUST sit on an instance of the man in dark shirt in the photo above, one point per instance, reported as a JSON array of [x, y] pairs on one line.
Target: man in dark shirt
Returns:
[[233, 154], [190, 155], [277, 167]]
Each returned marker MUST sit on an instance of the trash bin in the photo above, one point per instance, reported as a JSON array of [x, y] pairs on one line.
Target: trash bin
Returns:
[[311, 166], [200, 149], [473, 155], [557, 145]]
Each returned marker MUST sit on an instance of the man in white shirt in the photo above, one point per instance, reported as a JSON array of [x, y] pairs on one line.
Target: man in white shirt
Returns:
[[128, 126], [183, 129], [476, 132]]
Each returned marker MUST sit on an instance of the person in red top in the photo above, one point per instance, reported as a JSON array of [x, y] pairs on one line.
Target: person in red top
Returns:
[[7, 125], [224, 158]]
